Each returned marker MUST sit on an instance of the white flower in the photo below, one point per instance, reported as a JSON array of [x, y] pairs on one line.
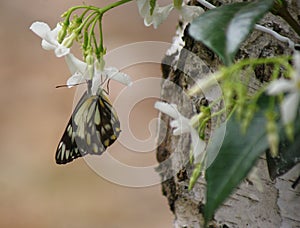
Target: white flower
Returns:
[[49, 38], [289, 106], [188, 13], [80, 74], [159, 13], [183, 125]]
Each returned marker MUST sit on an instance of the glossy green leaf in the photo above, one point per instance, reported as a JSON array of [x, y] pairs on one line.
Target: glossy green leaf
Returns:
[[224, 29], [237, 155]]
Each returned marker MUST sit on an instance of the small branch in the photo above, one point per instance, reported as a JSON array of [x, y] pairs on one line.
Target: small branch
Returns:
[[276, 35], [206, 4], [258, 27]]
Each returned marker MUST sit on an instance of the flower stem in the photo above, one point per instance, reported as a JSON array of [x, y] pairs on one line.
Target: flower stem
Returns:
[[101, 48], [113, 5]]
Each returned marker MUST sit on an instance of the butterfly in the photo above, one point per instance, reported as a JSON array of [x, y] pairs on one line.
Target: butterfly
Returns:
[[93, 126]]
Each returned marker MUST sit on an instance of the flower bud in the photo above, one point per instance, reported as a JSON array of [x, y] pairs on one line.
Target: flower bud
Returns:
[[68, 42], [100, 64], [90, 69], [289, 130], [64, 14], [89, 59], [195, 175], [90, 63], [248, 115], [63, 32], [273, 137]]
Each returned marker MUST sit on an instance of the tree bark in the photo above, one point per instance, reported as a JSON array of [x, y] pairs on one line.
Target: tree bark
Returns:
[[278, 205]]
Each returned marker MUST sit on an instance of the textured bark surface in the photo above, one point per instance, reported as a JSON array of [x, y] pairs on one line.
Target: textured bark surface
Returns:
[[278, 205]]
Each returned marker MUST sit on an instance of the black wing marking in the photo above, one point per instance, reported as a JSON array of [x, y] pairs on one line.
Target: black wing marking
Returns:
[[101, 126], [93, 127], [109, 128], [67, 149]]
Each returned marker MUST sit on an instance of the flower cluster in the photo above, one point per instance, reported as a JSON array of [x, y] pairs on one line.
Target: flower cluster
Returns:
[[290, 104], [61, 38], [184, 125], [78, 68], [157, 14]]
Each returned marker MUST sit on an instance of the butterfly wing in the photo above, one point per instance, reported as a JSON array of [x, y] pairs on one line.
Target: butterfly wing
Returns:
[[101, 128], [93, 127], [67, 149], [107, 122]]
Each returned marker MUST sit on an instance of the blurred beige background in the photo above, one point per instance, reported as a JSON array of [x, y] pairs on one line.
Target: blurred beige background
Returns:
[[34, 191]]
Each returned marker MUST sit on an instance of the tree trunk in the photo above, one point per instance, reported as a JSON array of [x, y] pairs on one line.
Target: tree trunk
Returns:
[[278, 205]]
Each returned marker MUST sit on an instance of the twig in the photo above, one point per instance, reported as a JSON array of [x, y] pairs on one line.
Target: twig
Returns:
[[258, 27]]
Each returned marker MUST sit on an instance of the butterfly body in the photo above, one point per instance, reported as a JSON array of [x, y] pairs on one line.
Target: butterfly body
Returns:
[[92, 127]]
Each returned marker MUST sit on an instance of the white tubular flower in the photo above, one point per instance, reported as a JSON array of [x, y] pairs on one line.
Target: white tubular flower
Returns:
[[49, 38], [109, 73], [289, 106], [159, 14], [188, 13], [183, 125], [80, 74]]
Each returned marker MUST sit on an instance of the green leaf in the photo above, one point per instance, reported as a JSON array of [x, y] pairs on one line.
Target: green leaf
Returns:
[[224, 29], [237, 155]]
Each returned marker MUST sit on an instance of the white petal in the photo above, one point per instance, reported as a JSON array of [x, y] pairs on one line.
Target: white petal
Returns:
[[181, 126], [48, 46], [168, 109], [198, 146], [43, 30], [40, 29], [113, 73], [188, 13], [96, 84], [144, 7], [289, 107], [160, 15], [49, 37], [55, 31], [279, 86], [61, 51], [148, 20], [75, 65], [110, 71], [296, 61], [75, 79]]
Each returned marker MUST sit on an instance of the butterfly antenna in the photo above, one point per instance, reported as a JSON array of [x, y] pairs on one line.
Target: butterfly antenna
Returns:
[[60, 86], [103, 82], [107, 86], [63, 86]]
